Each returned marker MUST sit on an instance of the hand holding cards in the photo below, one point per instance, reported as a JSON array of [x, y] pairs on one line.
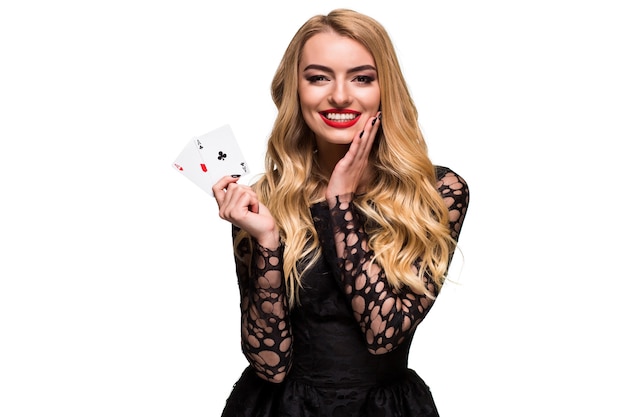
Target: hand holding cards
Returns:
[[207, 158]]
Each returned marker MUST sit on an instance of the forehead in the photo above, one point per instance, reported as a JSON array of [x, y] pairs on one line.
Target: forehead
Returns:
[[335, 51]]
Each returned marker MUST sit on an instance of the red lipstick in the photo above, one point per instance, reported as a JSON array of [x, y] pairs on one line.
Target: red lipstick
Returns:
[[340, 119]]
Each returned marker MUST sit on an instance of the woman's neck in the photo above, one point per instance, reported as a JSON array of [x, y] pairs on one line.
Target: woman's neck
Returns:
[[327, 157]]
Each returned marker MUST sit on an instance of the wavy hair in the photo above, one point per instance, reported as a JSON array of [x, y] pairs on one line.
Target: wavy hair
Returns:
[[407, 218]]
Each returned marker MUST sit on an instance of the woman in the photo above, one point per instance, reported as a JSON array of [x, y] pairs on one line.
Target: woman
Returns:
[[343, 244]]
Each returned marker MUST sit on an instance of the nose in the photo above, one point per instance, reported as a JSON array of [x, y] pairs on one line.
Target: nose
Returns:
[[340, 95]]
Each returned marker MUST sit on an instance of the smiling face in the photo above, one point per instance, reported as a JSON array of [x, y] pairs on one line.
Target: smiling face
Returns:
[[338, 88]]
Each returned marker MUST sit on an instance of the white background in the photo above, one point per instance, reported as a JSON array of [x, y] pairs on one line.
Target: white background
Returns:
[[118, 295]]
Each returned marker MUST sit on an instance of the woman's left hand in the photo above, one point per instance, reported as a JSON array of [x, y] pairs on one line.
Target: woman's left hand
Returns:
[[349, 171]]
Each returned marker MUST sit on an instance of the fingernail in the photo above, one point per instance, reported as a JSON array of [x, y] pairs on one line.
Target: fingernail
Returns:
[[235, 175], [380, 116], [361, 134], [374, 121]]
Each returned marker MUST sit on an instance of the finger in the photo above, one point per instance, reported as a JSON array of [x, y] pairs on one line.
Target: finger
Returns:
[[363, 142], [254, 204], [238, 209], [221, 185], [371, 134], [247, 202], [230, 197], [231, 210], [226, 198], [237, 201]]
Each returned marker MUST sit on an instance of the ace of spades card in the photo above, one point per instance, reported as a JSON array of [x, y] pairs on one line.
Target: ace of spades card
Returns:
[[207, 158]]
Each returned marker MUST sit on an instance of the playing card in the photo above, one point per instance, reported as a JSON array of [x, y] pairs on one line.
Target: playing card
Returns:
[[221, 153], [190, 164], [209, 157]]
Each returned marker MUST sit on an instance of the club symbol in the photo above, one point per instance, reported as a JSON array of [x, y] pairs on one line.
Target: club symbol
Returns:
[[199, 144], [221, 156]]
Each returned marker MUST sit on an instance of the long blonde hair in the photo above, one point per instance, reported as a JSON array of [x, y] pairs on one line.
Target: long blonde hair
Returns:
[[407, 217]]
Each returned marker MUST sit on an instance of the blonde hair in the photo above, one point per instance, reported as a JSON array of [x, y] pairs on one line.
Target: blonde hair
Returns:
[[407, 218]]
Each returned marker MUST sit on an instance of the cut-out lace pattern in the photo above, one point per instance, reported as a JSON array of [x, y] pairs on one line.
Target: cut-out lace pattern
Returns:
[[387, 316], [265, 331]]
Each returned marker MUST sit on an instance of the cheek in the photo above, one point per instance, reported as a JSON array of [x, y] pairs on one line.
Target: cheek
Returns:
[[373, 100], [308, 99], [306, 115], [309, 106], [305, 110], [305, 105]]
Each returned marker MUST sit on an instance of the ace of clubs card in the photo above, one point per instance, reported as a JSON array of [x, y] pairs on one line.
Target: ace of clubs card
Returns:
[[207, 158]]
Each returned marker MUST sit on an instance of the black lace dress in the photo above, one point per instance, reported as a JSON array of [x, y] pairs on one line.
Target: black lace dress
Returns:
[[343, 351]]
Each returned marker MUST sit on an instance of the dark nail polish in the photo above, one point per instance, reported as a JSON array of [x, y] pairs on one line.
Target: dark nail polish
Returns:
[[361, 134], [380, 116], [235, 175], [374, 121]]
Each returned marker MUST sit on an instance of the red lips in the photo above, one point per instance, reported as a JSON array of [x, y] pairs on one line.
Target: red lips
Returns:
[[340, 119]]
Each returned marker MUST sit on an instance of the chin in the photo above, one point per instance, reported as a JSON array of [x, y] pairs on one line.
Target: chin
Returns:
[[341, 138]]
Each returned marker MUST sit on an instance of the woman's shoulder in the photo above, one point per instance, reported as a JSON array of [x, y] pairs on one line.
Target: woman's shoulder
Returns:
[[448, 180], [443, 172]]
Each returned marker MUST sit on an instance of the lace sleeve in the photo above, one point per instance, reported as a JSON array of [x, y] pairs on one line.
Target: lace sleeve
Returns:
[[455, 193], [265, 329], [387, 316]]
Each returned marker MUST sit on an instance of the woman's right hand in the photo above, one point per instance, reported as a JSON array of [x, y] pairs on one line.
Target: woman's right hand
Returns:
[[240, 205]]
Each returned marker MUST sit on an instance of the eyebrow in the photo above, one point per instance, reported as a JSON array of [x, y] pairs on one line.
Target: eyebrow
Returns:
[[351, 70]]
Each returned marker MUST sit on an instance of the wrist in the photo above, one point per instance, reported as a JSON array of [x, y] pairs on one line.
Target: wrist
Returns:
[[270, 240], [336, 200]]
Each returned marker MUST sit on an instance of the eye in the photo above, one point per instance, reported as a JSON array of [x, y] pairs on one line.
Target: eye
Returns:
[[313, 79], [363, 79]]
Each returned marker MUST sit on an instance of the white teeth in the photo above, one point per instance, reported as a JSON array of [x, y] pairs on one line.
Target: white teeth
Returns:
[[341, 116]]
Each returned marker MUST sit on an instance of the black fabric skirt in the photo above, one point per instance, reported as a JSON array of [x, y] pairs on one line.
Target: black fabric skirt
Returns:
[[406, 396]]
